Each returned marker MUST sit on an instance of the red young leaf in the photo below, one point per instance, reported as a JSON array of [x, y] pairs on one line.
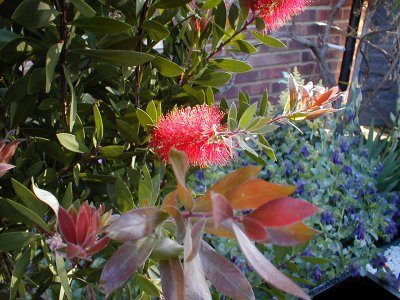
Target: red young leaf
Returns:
[[193, 244], [224, 275], [264, 267], [291, 235], [221, 208], [75, 251], [317, 113], [98, 246], [226, 184], [283, 211], [4, 168], [255, 192], [124, 262], [172, 279], [82, 223], [136, 223], [67, 226], [7, 151], [93, 227], [324, 98], [255, 230]]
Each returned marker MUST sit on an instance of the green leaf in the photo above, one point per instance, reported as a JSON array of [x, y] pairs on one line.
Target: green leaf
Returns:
[[32, 216], [101, 25], [268, 40], [68, 197], [28, 198], [242, 46], [316, 260], [264, 104], [232, 116], [123, 196], [128, 132], [7, 36], [73, 103], [20, 111], [167, 67], [62, 275], [144, 119], [19, 271], [111, 152], [51, 63], [209, 4], [124, 58], [10, 241], [85, 9], [71, 142], [46, 197], [146, 285], [213, 78], [165, 248], [231, 65], [247, 115], [34, 14], [155, 30], [171, 3], [152, 110], [145, 187], [210, 96], [98, 126]]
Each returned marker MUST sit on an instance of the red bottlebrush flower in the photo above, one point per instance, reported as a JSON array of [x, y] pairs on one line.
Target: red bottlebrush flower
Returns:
[[276, 12], [80, 230], [197, 131], [6, 153]]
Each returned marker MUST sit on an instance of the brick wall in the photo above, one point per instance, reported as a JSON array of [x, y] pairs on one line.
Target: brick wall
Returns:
[[269, 63]]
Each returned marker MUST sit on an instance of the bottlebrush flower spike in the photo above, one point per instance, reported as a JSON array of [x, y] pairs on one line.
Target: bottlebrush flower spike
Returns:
[[197, 131], [7, 150], [80, 230], [276, 12]]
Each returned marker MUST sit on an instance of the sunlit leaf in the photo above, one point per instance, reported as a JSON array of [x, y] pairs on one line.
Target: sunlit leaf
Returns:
[[291, 235], [62, 275], [283, 211], [72, 143], [46, 197], [264, 267], [268, 40]]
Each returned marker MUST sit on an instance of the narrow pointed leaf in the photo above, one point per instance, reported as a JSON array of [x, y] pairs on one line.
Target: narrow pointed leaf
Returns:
[[136, 223], [98, 126], [324, 98], [124, 262], [224, 275], [62, 274], [180, 165], [72, 143], [28, 198], [283, 211], [167, 67], [268, 40], [226, 184], [172, 279], [255, 230], [196, 234], [98, 246], [291, 235], [256, 192], [51, 62], [4, 168], [19, 271], [101, 25], [16, 240], [67, 226], [29, 214], [264, 267]]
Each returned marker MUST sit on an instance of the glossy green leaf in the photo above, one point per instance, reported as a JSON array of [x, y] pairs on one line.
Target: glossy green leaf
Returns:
[[268, 40], [111, 152], [34, 14], [85, 9], [123, 196], [231, 65], [144, 118], [167, 67], [73, 103], [124, 262], [212, 78], [209, 4], [210, 96], [242, 46], [68, 197], [28, 198], [155, 30], [171, 3], [98, 126], [128, 132], [71, 142], [62, 275], [265, 268], [46, 197], [16, 240], [224, 275], [147, 285], [247, 115], [51, 63], [19, 271], [123, 58], [101, 25], [136, 224], [29, 214]]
